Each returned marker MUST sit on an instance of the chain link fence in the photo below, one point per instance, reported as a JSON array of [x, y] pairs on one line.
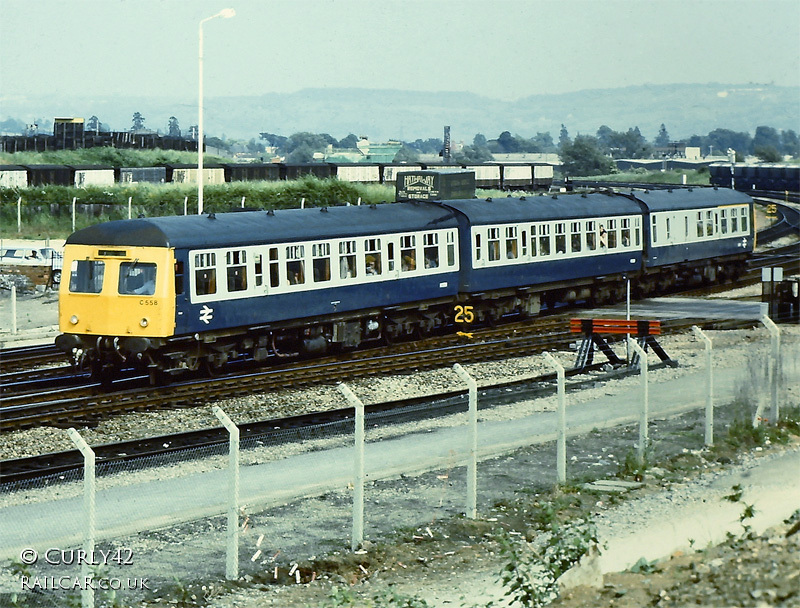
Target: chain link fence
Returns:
[[161, 528]]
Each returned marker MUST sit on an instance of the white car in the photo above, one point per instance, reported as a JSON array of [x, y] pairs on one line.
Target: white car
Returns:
[[33, 256]]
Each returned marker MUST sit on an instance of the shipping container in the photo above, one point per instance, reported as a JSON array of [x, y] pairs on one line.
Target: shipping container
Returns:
[[542, 176], [92, 175], [13, 176], [389, 172], [486, 176], [135, 175], [243, 172], [187, 174], [45, 175], [516, 177], [363, 173], [318, 170]]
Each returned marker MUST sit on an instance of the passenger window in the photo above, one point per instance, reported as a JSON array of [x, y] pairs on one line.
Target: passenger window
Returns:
[[372, 259], [321, 252], [477, 246], [533, 241], [347, 259], [575, 236], [524, 241], [390, 253], [544, 239], [734, 223], [699, 223], [259, 268], [86, 276], [603, 237], [236, 261], [612, 234], [709, 223], [451, 248], [561, 238], [494, 244], [511, 243], [408, 253], [591, 236], [654, 229], [295, 265], [274, 268], [744, 220], [137, 279], [431, 249], [205, 274], [626, 232], [723, 221]]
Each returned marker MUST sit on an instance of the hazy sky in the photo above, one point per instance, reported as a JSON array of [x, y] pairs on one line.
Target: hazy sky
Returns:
[[500, 48]]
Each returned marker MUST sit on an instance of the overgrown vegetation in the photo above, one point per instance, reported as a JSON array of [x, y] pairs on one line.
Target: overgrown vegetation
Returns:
[[112, 157], [694, 177], [46, 211]]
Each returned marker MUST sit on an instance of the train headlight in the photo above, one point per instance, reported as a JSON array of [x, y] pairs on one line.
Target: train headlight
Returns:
[[143, 322], [74, 319]]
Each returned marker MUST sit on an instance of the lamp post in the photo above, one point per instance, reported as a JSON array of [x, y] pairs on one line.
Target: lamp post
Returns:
[[225, 13]]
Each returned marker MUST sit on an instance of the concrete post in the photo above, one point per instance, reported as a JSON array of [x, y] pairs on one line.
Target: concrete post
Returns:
[[74, 199], [14, 309], [774, 365], [358, 466], [644, 413], [709, 424], [87, 594], [561, 444], [232, 553], [472, 461], [19, 214], [130, 206]]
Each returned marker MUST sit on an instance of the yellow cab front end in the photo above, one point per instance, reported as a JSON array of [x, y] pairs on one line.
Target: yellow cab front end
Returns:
[[114, 300]]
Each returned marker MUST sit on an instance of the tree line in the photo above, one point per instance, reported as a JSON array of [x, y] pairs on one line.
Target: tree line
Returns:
[[582, 155]]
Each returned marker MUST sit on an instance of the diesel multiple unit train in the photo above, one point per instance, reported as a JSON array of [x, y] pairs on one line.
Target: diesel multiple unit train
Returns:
[[180, 293]]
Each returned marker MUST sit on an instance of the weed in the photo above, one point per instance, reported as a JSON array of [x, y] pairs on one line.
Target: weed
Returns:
[[644, 567], [341, 597]]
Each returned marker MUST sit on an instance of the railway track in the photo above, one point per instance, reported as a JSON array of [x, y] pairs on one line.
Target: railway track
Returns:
[[167, 449]]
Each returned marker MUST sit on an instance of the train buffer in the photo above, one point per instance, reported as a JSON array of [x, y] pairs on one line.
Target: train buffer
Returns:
[[594, 330]]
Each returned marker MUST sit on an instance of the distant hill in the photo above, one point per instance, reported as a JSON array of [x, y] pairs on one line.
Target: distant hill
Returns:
[[408, 115]]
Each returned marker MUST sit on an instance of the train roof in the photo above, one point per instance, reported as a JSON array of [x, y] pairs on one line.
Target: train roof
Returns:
[[534, 208], [689, 198], [253, 227]]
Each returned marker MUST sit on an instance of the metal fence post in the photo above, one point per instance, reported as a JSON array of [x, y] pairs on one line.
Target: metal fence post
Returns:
[[561, 444], [358, 473], [472, 462], [709, 423], [232, 559], [643, 416], [87, 594], [19, 214], [74, 199]]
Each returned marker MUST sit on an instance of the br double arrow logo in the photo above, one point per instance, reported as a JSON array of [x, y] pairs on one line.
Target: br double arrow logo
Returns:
[[206, 314]]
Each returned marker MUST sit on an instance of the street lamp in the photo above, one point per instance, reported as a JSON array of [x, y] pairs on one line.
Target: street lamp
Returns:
[[225, 13]]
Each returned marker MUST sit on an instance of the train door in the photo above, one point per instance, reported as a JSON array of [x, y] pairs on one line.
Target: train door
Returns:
[[392, 252]]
